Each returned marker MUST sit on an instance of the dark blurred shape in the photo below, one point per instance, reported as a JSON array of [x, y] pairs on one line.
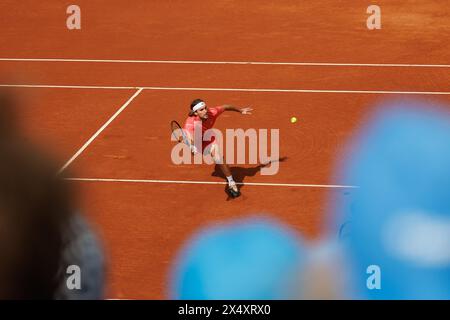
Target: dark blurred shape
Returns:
[[35, 208], [83, 248], [41, 233], [8, 121]]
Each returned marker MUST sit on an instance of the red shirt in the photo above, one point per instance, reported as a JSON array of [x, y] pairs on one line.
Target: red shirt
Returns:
[[213, 114]]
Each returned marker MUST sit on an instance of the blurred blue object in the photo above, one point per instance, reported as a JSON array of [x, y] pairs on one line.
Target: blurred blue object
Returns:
[[400, 215], [254, 258]]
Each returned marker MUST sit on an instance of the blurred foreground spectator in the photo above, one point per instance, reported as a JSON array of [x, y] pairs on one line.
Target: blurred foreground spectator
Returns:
[[40, 233], [397, 242], [256, 258]]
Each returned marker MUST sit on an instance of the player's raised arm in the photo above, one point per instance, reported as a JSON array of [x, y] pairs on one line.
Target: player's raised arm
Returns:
[[229, 107]]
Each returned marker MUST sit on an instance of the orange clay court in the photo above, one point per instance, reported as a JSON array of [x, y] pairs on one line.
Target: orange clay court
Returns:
[[102, 99]]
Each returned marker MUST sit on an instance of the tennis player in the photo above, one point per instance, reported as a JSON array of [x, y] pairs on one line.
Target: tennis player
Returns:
[[207, 116]]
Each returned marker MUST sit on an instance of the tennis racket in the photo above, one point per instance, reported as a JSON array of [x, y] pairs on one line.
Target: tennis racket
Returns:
[[179, 133]]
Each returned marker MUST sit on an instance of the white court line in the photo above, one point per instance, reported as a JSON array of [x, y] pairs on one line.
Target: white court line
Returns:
[[100, 130], [326, 64], [211, 182], [227, 89], [53, 86]]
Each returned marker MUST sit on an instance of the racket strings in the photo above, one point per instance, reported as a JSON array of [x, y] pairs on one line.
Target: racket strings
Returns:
[[177, 132]]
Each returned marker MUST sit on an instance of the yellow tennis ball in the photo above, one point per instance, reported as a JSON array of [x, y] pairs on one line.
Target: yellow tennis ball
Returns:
[[293, 120]]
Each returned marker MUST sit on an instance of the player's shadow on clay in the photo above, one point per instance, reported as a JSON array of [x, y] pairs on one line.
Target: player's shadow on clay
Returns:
[[239, 173]]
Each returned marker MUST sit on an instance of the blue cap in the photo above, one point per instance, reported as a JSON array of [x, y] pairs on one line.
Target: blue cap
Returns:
[[255, 258], [399, 242]]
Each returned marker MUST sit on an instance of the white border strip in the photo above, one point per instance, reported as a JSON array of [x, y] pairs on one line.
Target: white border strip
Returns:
[[226, 89], [100, 130], [211, 182], [327, 64], [54, 86]]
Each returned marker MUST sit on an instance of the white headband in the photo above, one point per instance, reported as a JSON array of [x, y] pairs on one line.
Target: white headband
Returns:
[[198, 106]]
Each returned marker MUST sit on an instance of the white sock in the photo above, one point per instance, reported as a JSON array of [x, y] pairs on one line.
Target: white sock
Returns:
[[230, 179]]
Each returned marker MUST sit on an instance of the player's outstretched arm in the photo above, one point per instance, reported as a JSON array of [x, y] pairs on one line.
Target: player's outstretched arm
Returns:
[[229, 107]]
